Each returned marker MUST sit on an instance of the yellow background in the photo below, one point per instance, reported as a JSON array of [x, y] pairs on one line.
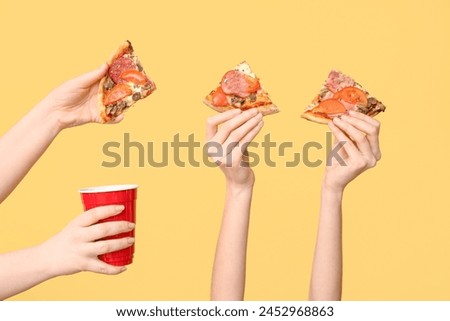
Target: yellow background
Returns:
[[396, 216]]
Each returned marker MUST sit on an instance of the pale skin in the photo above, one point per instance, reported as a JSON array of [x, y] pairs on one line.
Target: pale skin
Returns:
[[359, 153], [72, 250], [71, 104], [226, 129]]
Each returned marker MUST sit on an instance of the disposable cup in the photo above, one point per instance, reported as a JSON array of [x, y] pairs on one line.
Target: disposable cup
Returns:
[[114, 195]]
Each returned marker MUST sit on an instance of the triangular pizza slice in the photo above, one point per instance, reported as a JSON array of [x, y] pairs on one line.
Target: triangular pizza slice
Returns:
[[338, 95], [125, 83], [240, 88]]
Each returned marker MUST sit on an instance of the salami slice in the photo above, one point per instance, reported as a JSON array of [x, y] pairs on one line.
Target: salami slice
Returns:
[[120, 65], [235, 83]]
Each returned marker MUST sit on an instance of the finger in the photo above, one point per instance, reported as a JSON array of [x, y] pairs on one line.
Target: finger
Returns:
[[108, 246], [362, 125], [96, 214], [341, 152], [364, 117], [97, 266], [369, 126], [116, 120], [238, 134], [348, 145], [357, 136], [248, 138], [375, 146], [232, 148], [99, 231], [93, 76], [214, 121], [227, 127], [241, 152]]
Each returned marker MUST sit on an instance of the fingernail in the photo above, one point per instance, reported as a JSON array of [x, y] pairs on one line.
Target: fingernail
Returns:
[[130, 240], [131, 225], [343, 117], [119, 208], [261, 123], [259, 115], [336, 119], [123, 268]]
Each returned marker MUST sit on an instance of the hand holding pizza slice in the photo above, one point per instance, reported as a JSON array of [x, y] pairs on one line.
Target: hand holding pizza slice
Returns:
[[125, 83], [339, 95], [240, 89]]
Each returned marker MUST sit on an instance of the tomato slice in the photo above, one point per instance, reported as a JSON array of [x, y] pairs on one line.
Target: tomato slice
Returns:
[[253, 84], [219, 99], [117, 93], [134, 76], [330, 106], [352, 95]]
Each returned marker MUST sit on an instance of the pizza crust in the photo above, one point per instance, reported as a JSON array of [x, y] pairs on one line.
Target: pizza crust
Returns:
[[268, 109], [315, 117], [124, 47], [265, 109], [101, 106]]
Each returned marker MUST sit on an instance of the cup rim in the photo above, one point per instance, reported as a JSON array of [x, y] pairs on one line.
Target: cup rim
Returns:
[[107, 188]]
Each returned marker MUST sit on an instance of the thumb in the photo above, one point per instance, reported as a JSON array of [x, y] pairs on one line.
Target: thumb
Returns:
[[116, 120], [93, 76]]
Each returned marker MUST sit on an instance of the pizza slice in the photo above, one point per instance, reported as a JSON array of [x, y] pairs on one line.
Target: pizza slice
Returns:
[[125, 83], [338, 95], [240, 88]]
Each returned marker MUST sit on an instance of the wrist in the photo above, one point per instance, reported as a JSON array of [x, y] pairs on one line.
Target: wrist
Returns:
[[238, 189], [240, 182], [49, 117], [42, 263], [332, 188], [241, 186]]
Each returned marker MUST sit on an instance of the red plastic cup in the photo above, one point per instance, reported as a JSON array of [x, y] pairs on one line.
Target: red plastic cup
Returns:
[[114, 195]]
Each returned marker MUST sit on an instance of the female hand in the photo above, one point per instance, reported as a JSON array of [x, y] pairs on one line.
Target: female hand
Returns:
[[77, 246], [358, 135], [228, 135], [75, 102]]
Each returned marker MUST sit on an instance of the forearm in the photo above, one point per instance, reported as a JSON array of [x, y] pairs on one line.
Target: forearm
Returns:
[[23, 144], [326, 277], [21, 270], [228, 279]]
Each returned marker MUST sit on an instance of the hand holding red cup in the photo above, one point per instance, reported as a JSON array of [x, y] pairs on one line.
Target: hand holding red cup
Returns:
[[114, 195]]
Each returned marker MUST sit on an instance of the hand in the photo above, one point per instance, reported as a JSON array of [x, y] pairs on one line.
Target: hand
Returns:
[[75, 248], [75, 102], [360, 151], [227, 144]]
